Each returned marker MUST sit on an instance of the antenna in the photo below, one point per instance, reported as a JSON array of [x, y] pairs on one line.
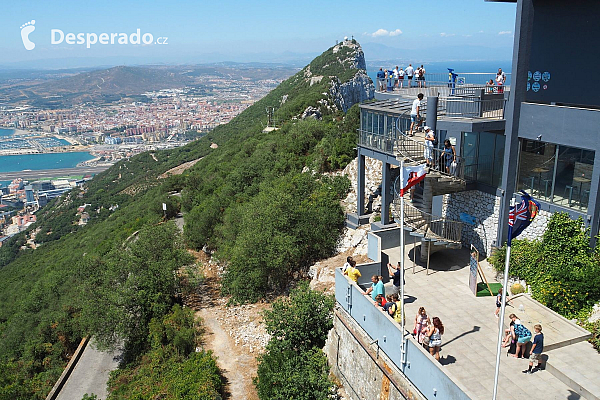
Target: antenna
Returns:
[[270, 112]]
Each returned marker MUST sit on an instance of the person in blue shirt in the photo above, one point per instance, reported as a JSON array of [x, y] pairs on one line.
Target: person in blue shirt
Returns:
[[376, 287], [536, 350], [381, 80]]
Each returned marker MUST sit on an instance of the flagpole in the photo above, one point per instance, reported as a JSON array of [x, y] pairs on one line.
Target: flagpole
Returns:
[[503, 305], [402, 327]]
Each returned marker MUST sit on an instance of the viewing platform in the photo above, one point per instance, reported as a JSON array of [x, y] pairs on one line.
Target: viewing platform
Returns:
[[468, 352]]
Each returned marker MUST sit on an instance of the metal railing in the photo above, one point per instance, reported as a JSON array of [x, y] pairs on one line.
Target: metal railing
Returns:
[[416, 151], [471, 107], [464, 81], [431, 226]]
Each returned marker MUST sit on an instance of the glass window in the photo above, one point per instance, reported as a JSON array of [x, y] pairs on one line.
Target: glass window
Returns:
[[369, 122], [469, 154], [536, 168], [485, 162], [573, 177], [558, 174], [363, 120], [498, 160]]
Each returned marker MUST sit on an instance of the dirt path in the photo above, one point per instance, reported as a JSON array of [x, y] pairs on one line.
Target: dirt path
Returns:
[[234, 334]]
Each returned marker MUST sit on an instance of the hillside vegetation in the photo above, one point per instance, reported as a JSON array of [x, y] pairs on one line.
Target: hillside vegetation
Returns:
[[258, 202]]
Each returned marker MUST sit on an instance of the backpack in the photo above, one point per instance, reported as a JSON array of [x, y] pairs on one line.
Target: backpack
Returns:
[[521, 331]]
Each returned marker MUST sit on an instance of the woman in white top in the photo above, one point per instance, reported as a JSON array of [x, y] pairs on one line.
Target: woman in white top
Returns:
[[436, 330], [401, 77]]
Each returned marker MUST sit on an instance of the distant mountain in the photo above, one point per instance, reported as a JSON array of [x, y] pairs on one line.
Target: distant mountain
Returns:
[[54, 90]]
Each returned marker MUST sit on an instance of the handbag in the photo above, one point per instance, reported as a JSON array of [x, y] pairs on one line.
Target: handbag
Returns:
[[426, 340]]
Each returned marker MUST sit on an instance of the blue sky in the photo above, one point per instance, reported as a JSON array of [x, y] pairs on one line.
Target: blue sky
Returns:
[[200, 31]]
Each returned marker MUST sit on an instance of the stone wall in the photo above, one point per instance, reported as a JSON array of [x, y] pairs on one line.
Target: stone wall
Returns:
[[484, 207], [537, 227], [364, 372]]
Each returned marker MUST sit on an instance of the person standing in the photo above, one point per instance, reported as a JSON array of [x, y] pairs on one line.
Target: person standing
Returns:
[[346, 264], [449, 156], [353, 272], [435, 332], [401, 74], [422, 76], [522, 334], [429, 144], [415, 112], [421, 323], [536, 350], [500, 79], [410, 71], [396, 76], [376, 287], [381, 80], [395, 276]]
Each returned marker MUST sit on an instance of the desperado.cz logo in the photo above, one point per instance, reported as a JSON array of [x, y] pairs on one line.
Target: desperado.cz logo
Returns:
[[57, 36]]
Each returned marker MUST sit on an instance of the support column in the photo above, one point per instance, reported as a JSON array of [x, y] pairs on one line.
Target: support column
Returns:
[[360, 184], [386, 191], [432, 104], [427, 206], [518, 91]]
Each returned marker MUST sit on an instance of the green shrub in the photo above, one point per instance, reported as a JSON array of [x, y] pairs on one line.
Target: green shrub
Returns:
[[561, 268], [294, 366]]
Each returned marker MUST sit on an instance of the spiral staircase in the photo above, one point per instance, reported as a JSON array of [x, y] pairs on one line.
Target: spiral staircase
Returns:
[[435, 232]]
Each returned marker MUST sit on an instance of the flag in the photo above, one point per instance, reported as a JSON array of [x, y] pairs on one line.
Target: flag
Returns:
[[521, 215], [411, 176]]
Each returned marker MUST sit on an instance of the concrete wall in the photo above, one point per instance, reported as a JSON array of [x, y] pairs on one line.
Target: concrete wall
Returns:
[[420, 369]]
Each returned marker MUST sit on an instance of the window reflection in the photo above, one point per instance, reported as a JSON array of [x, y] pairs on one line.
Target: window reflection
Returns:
[[558, 174]]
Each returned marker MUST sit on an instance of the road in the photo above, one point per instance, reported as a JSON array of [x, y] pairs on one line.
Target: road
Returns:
[[52, 173], [90, 375]]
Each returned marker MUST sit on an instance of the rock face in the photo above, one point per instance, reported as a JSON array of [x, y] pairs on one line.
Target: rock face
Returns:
[[358, 89], [311, 112]]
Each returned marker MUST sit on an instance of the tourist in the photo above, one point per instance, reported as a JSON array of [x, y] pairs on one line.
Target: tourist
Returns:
[[421, 323], [449, 155], [429, 144], [410, 71], [396, 76], [500, 79], [380, 300], [435, 332], [499, 302], [401, 74], [509, 336], [536, 350], [522, 334], [390, 306], [415, 113], [395, 277], [398, 314], [346, 264], [489, 86], [353, 272], [376, 287], [422, 76], [381, 80]]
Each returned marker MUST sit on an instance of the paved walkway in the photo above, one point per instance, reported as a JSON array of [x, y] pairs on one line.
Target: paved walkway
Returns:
[[471, 329], [90, 375]]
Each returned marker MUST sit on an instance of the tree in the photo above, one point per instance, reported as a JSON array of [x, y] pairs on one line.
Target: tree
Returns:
[[294, 366]]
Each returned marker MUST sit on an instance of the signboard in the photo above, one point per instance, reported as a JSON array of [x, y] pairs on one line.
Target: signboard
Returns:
[[473, 270], [468, 219]]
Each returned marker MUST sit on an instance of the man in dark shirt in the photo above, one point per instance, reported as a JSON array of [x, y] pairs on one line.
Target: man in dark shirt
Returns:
[[536, 350], [395, 276], [381, 80]]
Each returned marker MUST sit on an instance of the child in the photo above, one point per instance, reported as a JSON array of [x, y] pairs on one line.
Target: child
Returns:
[[380, 300], [390, 306], [536, 350], [499, 301]]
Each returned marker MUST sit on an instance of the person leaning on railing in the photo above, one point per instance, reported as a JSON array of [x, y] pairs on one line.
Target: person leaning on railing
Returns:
[[449, 156]]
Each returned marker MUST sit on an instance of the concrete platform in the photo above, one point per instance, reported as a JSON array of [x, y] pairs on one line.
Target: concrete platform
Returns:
[[471, 329]]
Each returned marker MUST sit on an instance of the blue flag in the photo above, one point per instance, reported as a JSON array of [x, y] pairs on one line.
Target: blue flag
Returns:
[[521, 215]]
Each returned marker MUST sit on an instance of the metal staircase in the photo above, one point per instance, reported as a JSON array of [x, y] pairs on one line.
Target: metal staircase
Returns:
[[435, 231]]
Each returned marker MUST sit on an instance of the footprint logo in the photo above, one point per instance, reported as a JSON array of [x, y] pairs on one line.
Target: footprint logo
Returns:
[[26, 29]]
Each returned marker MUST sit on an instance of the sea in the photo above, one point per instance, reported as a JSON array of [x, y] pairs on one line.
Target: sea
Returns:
[[440, 69], [38, 161]]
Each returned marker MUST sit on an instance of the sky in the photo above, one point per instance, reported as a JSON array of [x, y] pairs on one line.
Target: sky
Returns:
[[208, 31]]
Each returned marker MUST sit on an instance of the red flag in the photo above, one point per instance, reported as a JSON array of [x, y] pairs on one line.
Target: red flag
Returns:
[[412, 176]]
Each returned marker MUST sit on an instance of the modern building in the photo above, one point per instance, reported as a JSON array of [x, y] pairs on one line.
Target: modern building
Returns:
[[538, 132]]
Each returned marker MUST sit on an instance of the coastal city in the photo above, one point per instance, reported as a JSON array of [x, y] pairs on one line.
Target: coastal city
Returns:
[[91, 137]]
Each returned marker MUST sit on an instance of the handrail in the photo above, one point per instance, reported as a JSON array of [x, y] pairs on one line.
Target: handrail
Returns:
[[472, 107], [431, 226], [419, 153]]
